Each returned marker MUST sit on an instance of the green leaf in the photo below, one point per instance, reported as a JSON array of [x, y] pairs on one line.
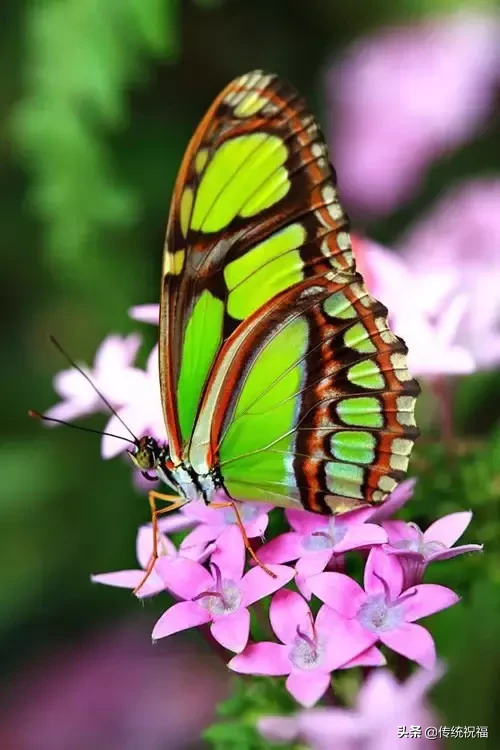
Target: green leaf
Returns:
[[252, 698], [81, 57]]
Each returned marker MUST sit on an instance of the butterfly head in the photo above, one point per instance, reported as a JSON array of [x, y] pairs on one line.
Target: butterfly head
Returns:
[[147, 455]]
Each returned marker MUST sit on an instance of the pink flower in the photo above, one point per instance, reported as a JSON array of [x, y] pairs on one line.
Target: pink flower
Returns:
[[405, 96], [130, 579], [382, 611], [112, 374], [316, 539], [432, 340], [416, 549], [383, 706], [309, 650], [145, 313], [213, 521], [221, 597], [142, 413], [454, 251]]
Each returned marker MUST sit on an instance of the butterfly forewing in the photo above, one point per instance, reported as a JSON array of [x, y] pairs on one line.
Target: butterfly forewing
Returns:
[[276, 364]]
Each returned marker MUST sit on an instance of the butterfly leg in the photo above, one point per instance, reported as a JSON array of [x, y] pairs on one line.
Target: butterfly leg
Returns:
[[175, 503], [246, 540]]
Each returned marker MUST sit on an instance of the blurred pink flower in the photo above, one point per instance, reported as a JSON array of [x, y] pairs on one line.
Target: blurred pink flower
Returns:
[[454, 252], [142, 413], [309, 650], [212, 521], [416, 549], [221, 597], [130, 579], [315, 539], [404, 97], [433, 341], [112, 374], [107, 690], [383, 612], [146, 313], [383, 706]]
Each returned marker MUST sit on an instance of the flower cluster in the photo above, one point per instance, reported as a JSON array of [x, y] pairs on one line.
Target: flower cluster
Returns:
[[320, 619]]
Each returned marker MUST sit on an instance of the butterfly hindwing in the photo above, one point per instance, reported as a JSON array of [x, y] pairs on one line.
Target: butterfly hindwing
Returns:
[[315, 409], [278, 368]]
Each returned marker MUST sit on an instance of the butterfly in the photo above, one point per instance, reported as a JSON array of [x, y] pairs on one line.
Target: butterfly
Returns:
[[281, 381]]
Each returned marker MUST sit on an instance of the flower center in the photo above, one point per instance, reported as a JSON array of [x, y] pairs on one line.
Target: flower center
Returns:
[[326, 537], [414, 543], [417, 543], [223, 598], [379, 613], [306, 652]]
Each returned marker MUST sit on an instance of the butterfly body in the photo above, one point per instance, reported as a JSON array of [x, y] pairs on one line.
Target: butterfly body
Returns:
[[281, 380]]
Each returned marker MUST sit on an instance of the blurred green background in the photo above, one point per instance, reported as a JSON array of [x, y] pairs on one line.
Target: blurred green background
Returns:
[[98, 101]]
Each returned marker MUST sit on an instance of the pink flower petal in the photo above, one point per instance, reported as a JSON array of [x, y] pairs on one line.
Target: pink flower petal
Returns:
[[307, 687], [70, 385], [176, 521], [408, 554], [117, 352], [145, 313], [313, 562], [68, 411], [412, 641], [462, 549], [378, 694], [448, 529], [144, 546], [278, 729], [398, 531], [202, 534], [257, 527], [262, 659], [372, 657], [362, 535], [180, 616], [257, 583], [345, 639], [395, 501], [229, 554], [302, 584], [304, 522], [199, 511], [356, 516], [332, 729], [282, 548], [130, 579], [339, 591], [380, 565], [185, 578], [232, 631], [428, 599], [110, 446], [287, 612]]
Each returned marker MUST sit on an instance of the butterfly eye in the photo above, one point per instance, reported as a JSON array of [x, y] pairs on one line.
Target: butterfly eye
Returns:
[[144, 455]]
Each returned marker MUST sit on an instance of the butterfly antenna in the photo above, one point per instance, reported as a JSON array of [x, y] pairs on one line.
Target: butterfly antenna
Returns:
[[96, 389], [36, 415]]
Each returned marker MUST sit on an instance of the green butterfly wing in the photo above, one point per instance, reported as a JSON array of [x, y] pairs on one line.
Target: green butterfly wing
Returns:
[[278, 369]]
